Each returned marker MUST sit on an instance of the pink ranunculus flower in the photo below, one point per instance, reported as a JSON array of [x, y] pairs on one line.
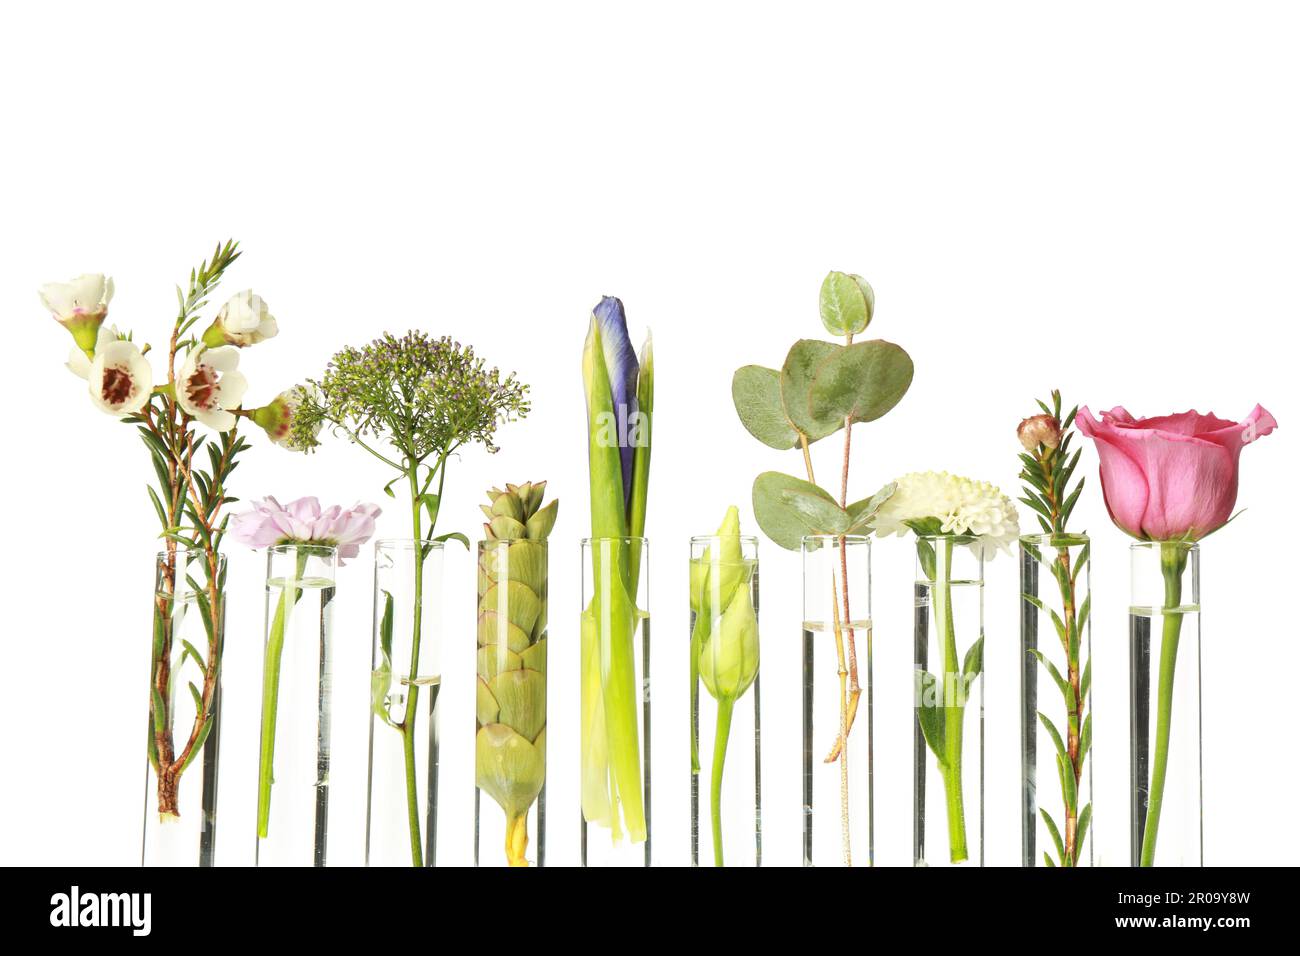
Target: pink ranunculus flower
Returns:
[[1173, 477], [305, 522]]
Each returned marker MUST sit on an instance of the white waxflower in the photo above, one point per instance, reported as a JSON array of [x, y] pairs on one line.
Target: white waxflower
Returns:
[[119, 378], [79, 305], [210, 384], [244, 320], [961, 505], [79, 363]]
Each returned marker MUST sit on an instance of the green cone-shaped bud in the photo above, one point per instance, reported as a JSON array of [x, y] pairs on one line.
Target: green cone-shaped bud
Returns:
[[511, 689], [714, 578], [729, 656]]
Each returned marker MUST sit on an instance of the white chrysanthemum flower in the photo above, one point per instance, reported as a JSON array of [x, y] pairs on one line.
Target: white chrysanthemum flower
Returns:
[[210, 384], [962, 506]]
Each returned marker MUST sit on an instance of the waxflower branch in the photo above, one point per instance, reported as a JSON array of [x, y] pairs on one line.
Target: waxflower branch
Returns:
[[203, 387], [821, 388], [425, 398], [1047, 468]]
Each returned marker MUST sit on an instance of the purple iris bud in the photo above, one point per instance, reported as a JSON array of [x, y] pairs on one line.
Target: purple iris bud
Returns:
[[622, 368]]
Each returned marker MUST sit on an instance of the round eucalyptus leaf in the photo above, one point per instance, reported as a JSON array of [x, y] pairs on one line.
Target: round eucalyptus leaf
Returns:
[[847, 303], [788, 508], [862, 512], [756, 392], [798, 376], [861, 382]]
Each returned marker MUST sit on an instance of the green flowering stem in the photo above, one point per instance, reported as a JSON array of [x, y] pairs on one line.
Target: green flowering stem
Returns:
[[1173, 561], [271, 692], [697, 645], [616, 617], [945, 738], [720, 737], [954, 692]]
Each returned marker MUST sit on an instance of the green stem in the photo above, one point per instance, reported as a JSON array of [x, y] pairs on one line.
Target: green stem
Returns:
[[412, 687], [271, 694], [697, 643], [954, 690], [720, 738], [1173, 561]]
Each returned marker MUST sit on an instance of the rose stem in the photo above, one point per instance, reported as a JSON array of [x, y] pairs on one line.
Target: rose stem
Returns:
[[1173, 560]]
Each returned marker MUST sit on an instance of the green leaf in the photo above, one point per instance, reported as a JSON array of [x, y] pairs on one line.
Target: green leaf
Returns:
[[788, 508], [199, 741], [453, 536], [1085, 738], [1085, 682], [861, 382], [1061, 683], [1056, 834], [798, 375], [1047, 858], [847, 303], [159, 712], [862, 513], [1055, 735], [191, 651], [381, 678], [756, 393], [430, 502], [929, 714], [974, 662], [1067, 780], [1085, 818], [152, 748]]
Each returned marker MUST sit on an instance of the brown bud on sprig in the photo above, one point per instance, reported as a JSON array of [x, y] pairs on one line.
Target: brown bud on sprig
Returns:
[[1038, 430]]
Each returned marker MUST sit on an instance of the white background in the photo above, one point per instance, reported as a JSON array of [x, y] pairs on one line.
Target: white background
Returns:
[[1101, 199]]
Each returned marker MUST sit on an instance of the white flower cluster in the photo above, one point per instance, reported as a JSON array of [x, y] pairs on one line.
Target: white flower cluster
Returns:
[[961, 506], [209, 386]]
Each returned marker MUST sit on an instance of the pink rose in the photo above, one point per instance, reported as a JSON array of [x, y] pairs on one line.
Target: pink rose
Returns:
[[1173, 477]]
